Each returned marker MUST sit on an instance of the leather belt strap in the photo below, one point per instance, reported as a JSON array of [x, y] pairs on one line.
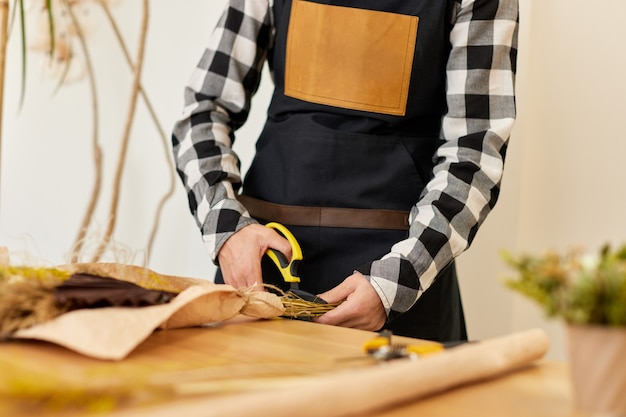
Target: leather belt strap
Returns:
[[326, 216]]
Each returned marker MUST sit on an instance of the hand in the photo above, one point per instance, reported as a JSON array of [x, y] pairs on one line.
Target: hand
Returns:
[[240, 256], [361, 307]]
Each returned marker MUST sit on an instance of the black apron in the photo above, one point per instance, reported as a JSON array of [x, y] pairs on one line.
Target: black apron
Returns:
[[362, 149]]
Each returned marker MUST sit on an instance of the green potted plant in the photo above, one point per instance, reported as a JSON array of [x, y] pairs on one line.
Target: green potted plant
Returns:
[[588, 292]]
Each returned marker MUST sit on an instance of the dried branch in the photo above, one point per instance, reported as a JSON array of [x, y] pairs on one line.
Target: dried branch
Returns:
[[126, 136], [4, 22], [155, 120], [97, 150]]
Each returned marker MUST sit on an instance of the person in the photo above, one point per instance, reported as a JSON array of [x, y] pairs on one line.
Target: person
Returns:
[[382, 152]]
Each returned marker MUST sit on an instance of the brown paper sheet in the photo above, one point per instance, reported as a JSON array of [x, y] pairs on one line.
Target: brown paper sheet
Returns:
[[113, 332], [365, 390]]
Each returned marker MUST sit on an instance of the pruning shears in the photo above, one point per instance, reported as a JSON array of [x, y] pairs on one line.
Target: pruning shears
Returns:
[[381, 347], [289, 268]]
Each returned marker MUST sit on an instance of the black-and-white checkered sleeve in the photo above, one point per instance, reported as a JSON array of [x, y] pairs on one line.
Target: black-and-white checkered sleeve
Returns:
[[469, 165], [217, 102]]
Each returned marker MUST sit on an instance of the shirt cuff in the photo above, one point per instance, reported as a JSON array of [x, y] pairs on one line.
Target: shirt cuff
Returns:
[[396, 283], [221, 223]]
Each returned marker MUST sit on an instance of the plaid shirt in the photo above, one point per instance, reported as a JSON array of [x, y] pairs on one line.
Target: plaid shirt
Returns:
[[467, 174]]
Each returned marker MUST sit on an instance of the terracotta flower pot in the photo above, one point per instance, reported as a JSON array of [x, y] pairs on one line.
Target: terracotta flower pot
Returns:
[[598, 367]]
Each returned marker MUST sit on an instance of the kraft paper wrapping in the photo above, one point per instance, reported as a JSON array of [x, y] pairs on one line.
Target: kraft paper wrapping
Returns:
[[113, 332], [365, 390]]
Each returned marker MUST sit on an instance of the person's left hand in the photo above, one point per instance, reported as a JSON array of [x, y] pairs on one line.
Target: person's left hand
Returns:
[[361, 307]]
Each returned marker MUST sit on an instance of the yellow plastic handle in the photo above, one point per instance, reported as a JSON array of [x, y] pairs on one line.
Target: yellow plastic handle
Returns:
[[382, 344], [375, 344], [288, 269], [426, 349]]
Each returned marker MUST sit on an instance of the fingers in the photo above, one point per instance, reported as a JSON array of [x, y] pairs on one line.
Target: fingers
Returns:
[[361, 307], [344, 315], [353, 315], [243, 275], [240, 256], [338, 293], [276, 242]]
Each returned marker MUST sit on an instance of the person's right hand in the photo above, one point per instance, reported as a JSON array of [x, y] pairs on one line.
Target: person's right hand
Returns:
[[240, 256]]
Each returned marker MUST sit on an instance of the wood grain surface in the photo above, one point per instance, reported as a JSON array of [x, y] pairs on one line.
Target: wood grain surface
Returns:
[[191, 366]]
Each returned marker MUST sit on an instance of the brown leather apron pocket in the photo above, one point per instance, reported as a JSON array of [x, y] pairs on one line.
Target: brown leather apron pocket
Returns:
[[350, 58]]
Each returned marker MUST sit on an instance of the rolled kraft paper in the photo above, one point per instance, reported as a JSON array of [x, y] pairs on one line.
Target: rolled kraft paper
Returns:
[[367, 389]]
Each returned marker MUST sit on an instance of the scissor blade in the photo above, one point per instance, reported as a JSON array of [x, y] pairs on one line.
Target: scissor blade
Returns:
[[307, 296]]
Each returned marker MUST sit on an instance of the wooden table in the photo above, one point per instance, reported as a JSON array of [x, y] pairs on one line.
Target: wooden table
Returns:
[[242, 351]]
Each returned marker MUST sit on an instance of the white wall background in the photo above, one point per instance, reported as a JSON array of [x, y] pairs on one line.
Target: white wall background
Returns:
[[47, 162], [563, 185]]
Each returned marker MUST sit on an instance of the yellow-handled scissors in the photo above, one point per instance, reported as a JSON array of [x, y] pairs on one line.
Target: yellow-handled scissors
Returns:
[[289, 268], [382, 348]]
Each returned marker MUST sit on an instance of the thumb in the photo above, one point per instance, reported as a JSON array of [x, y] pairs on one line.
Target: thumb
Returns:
[[338, 293]]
